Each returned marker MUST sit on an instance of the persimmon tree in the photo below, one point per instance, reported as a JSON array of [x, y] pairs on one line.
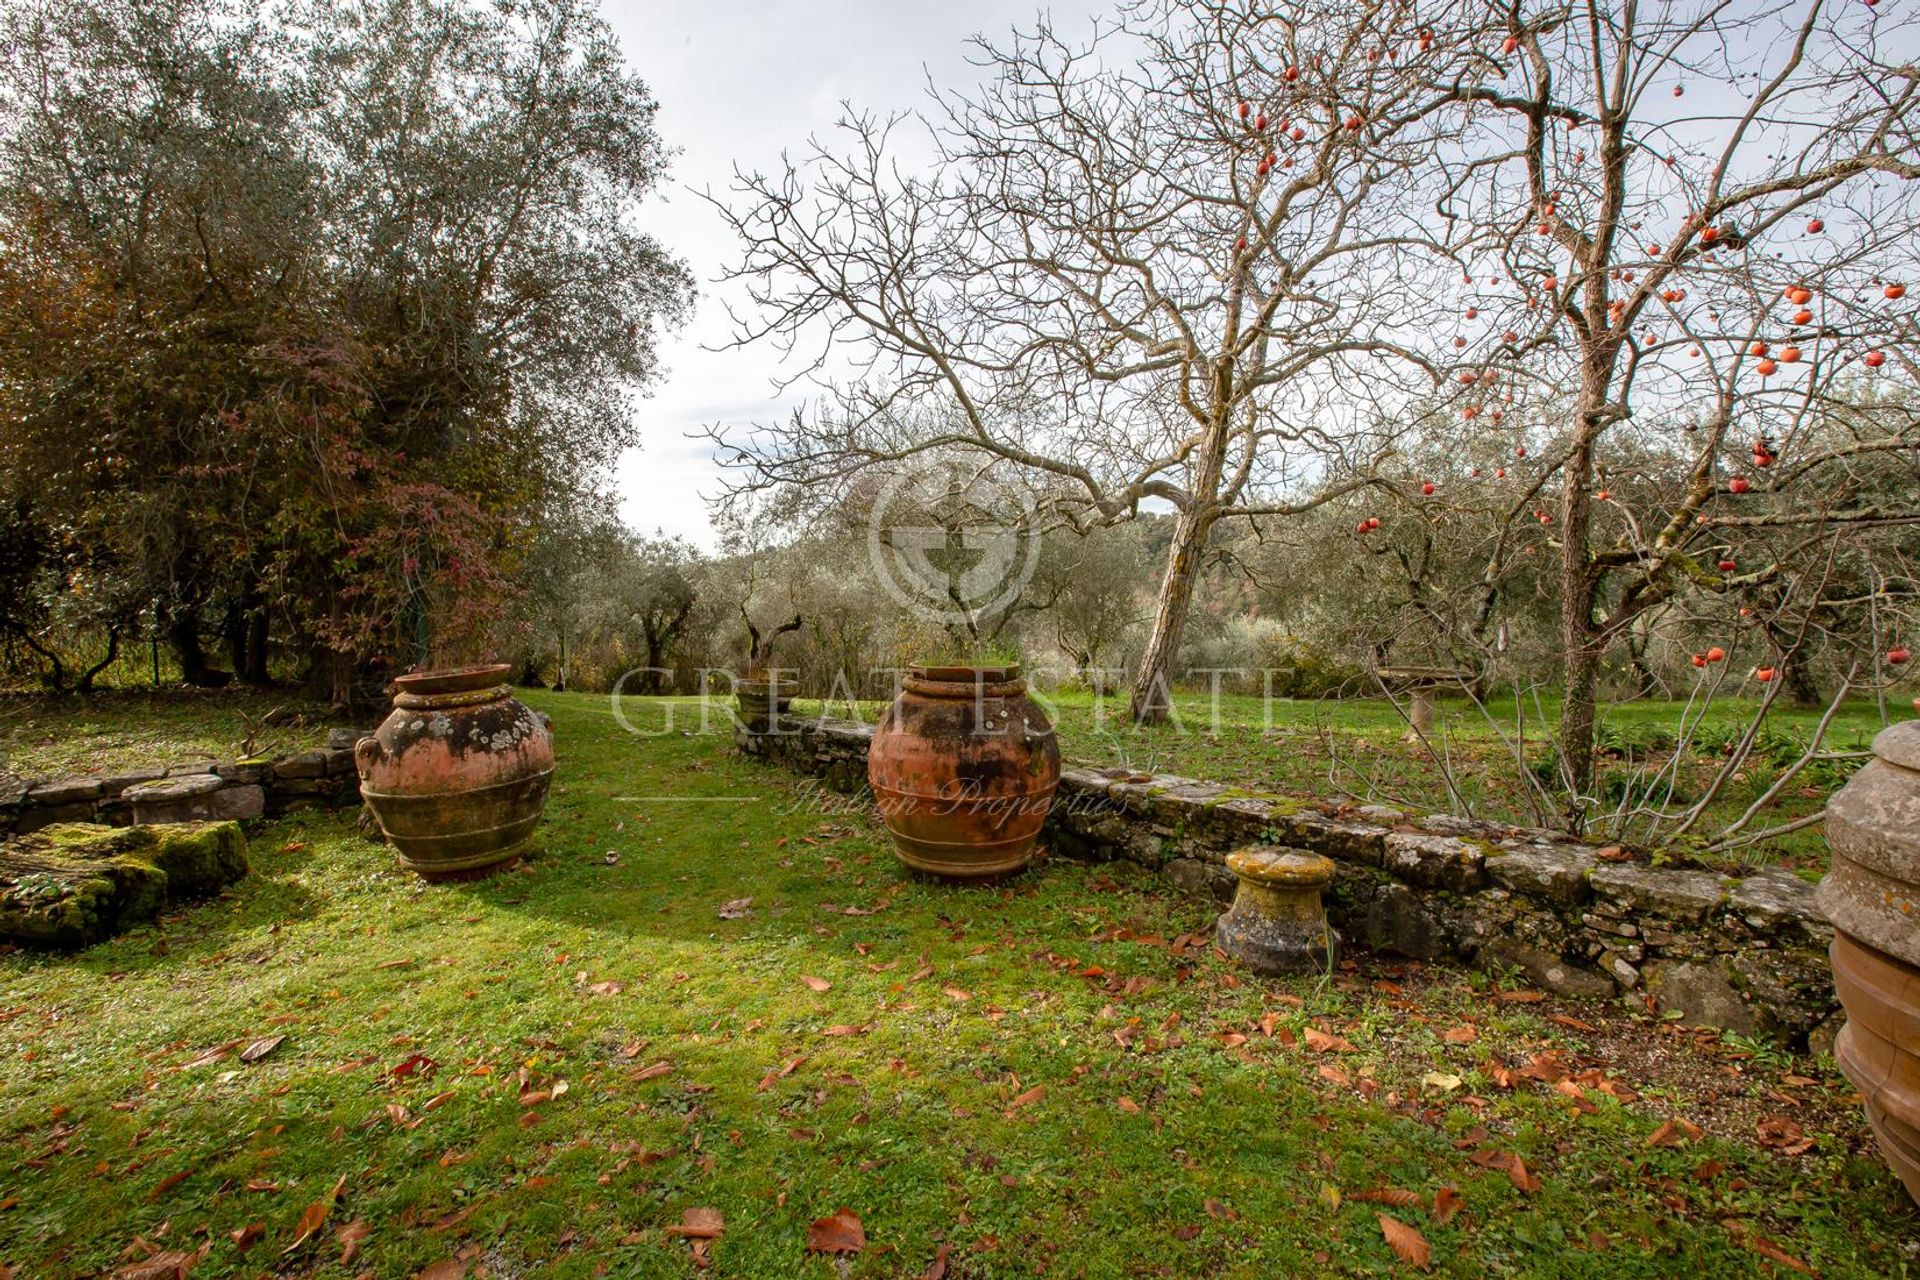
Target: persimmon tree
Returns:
[[1170, 266], [1684, 224]]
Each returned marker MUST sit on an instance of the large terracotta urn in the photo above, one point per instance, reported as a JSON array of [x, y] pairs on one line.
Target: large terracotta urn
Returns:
[[963, 767], [1872, 896], [457, 775]]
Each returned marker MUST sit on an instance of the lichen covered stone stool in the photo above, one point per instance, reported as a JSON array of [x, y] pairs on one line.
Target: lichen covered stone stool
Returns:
[[1277, 923]]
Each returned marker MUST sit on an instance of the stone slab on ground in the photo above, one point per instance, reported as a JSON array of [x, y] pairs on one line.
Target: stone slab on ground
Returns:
[[74, 884]]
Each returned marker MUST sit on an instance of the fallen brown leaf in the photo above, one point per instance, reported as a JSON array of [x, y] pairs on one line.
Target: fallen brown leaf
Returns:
[[1321, 1042], [838, 1232], [699, 1224], [315, 1216], [1407, 1244], [261, 1048], [350, 1237], [1446, 1204], [817, 984]]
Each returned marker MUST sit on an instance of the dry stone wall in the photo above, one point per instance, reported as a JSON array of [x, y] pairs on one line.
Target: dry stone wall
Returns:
[[197, 792], [1743, 953]]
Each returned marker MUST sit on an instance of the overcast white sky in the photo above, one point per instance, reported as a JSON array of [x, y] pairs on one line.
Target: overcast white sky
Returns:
[[739, 83]]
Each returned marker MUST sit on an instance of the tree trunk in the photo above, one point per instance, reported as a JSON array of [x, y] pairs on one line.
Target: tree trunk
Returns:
[[1579, 641], [183, 633], [254, 669], [245, 629], [1153, 684], [1801, 686]]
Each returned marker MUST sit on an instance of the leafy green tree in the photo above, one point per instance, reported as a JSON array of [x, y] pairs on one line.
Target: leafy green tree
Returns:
[[314, 316]]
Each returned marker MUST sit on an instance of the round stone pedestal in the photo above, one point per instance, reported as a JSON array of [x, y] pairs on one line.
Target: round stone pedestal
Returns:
[[1277, 924]]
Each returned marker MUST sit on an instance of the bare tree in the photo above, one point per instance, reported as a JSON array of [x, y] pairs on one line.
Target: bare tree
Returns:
[[1174, 265]]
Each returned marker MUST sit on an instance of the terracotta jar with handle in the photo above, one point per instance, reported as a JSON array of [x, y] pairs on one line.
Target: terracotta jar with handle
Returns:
[[1872, 896], [964, 766], [457, 775]]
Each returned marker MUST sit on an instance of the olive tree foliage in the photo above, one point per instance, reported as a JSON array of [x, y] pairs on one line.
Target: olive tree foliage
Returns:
[[310, 311], [556, 583], [1099, 587], [1681, 228], [1170, 265]]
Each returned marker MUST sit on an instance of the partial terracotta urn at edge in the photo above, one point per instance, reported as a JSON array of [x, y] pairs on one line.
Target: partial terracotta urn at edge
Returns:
[[963, 767], [457, 774], [1872, 895]]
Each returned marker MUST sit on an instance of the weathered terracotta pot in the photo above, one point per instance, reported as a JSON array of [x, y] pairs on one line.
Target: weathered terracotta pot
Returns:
[[759, 705], [457, 775], [964, 766], [1872, 894]]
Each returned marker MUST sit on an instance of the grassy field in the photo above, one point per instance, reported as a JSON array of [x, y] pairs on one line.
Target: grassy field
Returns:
[[1656, 756], [44, 737], [544, 1074], [1353, 749]]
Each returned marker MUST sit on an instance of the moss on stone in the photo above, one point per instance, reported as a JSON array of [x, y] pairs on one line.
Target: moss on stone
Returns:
[[72, 884], [198, 857]]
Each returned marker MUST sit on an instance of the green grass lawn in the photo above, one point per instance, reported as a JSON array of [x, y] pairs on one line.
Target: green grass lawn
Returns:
[[1347, 749], [540, 1074], [48, 737]]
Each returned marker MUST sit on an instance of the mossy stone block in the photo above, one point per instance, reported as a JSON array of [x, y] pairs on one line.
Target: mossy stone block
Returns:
[[73, 884]]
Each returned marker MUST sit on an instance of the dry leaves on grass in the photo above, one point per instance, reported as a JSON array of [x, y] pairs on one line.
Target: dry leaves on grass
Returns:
[[158, 1264], [261, 1048], [838, 1232], [936, 1270], [816, 984], [699, 1224], [700, 1228], [351, 1237], [315, 1216], [1673, 1133], [1323, 1042], [1447, 1203], [1511, 1165], [1782, 1134], [1407, 1244]]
